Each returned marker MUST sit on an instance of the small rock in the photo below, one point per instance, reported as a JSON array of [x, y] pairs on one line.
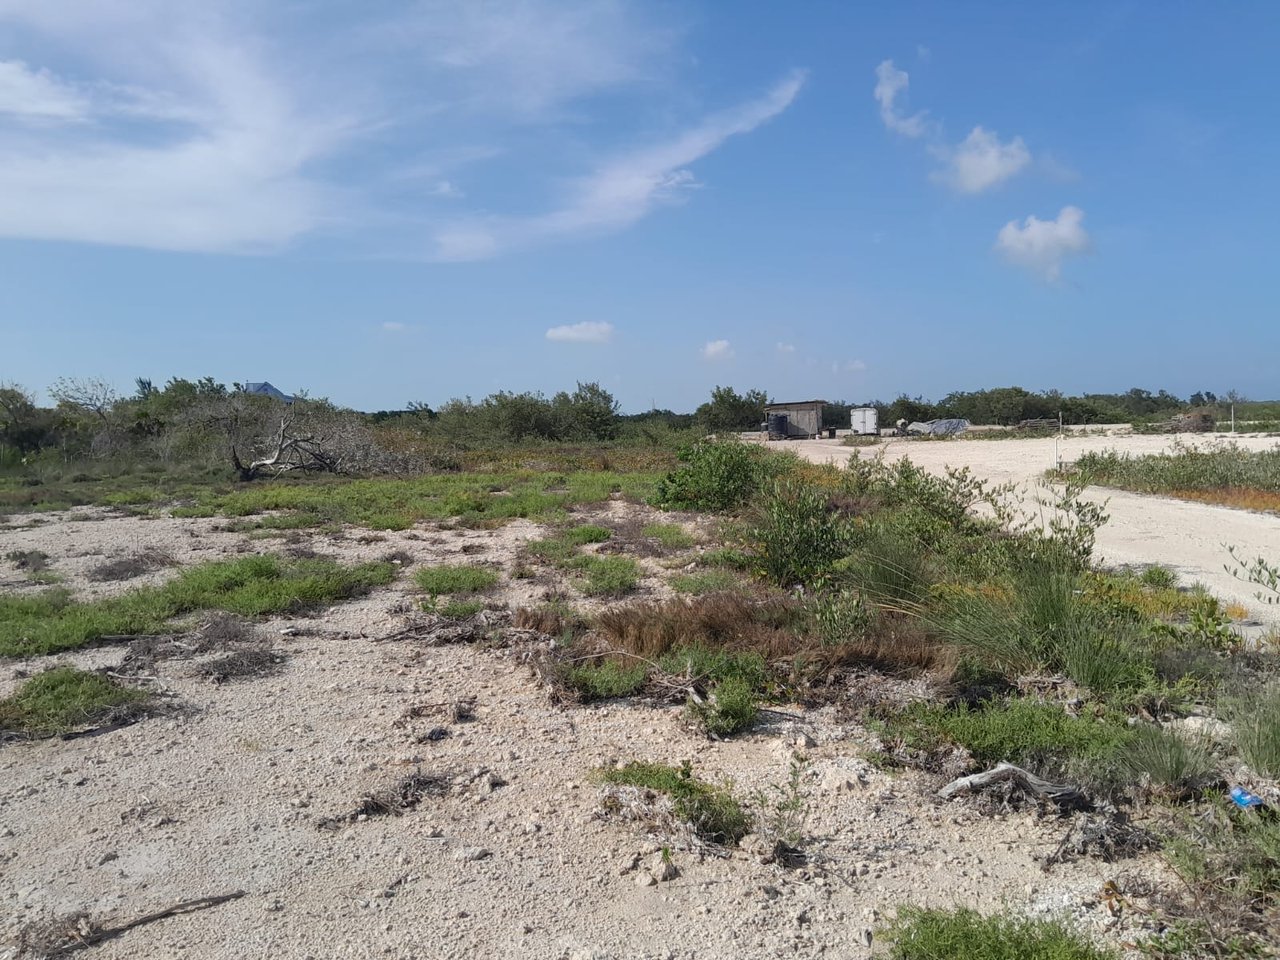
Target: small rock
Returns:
[[866, 936], [274, 905], [665, 869], [469, 854], [645, 879]]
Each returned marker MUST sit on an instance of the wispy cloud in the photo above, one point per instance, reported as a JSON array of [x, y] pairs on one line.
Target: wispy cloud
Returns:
[[981, 161], [622, 191], [890, 83], [589, 331], [213, 127], [1042, 245], [786, 348], [38, 94], [717, 350], [394, 326]]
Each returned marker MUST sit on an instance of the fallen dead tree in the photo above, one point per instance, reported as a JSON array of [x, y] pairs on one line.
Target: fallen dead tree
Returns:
[[1063, 794]]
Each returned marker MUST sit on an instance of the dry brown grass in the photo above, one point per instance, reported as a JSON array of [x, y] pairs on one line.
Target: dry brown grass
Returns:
[[1242, 498], [727, 621], [126, 568]]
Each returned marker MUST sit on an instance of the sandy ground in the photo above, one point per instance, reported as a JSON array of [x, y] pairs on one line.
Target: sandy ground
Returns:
[[514, 859], [1191, 538]]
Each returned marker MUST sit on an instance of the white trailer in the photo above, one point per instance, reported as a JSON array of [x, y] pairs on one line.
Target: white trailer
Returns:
[[863, 422]]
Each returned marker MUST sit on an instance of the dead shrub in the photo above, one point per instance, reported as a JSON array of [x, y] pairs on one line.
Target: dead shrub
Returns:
[[246, 664], [135, 565], [394, 799]]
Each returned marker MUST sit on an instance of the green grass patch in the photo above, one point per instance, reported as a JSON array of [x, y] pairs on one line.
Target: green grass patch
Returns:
[[249, 586], [461, 609], [706, 581], [605, 679], [731, 709], [607, 576], [1022, 731], [1255, 717], [585, 533], [63, 699], [455, 578], [670, 535], [963, 933], [713, 811]]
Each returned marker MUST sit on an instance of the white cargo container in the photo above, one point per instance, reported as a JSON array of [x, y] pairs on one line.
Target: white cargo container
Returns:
[[863, 422]]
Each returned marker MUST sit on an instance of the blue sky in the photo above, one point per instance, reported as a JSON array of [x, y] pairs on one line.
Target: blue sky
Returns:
[[385, 202]]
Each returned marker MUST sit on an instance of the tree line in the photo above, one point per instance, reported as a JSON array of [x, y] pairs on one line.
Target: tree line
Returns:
[[208, 422]]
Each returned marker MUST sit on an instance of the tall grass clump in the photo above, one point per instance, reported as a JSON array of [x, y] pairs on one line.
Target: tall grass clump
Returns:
[[1167, 763], [1219, 472], [1255, 718]]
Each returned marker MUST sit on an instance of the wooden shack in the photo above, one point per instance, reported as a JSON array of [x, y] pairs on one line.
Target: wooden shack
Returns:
[[799, 419]]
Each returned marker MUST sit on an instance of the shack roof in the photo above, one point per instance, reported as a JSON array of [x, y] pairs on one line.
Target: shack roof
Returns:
[[795, 403]]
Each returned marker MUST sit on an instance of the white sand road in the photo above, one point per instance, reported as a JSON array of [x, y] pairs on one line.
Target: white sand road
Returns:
[[1191, 538]]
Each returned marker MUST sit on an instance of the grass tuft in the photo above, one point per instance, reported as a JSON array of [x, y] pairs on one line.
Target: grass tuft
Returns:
[[712, 811], [63, 699], [607, 576], [964, 933], [455, 578]]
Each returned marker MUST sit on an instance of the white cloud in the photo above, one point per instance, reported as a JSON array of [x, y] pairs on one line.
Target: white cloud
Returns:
[[589, 331], [394, 326], [447, 190], [981, 161], [890, 82], [1042, 245], [623, 191], [855, 366], [37, 94], [717, 350], [786, 348]]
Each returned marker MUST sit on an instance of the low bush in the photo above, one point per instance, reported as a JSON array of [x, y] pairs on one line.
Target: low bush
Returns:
[[715, 622], [64, 699], [795, 537], [719, 475], [455, 578], [461, 609], [712, 811], [964, 933], [586, 533]]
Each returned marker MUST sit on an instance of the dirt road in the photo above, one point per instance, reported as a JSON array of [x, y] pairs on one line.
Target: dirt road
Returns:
[[1190, 538]]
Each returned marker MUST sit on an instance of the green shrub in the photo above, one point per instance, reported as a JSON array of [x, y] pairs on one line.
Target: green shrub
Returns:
[[607, 576], [796, 538], [731, 709], [451, 578], [712, 811], [63, 699], [718, 475], [890, 566], [965, 934]]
